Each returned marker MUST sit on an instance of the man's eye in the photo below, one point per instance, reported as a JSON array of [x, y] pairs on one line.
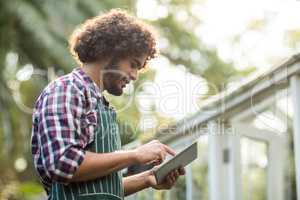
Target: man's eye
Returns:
[[134, 66]]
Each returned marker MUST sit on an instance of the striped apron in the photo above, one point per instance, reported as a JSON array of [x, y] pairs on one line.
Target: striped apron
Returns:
[[110, 187]]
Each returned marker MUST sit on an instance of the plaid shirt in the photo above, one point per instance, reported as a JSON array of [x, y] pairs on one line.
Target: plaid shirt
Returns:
[[64, 120]]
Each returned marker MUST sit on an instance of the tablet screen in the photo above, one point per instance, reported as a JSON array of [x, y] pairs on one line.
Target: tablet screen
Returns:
[[182, 159]]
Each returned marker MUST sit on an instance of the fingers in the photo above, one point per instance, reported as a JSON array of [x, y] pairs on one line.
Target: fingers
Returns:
[[163, 154], [176, 174], [181, 171], [172, 178], [160, 156], [154, 152], [169, 150], [166, 148], [157, 162]]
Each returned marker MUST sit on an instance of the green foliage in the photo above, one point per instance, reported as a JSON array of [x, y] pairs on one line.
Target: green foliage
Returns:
[[30, 190], [293, 37]]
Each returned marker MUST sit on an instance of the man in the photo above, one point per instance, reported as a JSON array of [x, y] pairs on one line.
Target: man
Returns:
[[75, 139]]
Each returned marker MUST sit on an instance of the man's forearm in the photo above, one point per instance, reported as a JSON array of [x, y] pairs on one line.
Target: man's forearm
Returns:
[[97, 165], [135, 183]]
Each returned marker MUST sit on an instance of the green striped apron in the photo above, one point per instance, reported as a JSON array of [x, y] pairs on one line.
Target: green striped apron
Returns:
[[107, 139]]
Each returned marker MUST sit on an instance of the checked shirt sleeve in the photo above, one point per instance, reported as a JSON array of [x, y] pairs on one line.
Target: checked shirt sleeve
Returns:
[[62, 135]]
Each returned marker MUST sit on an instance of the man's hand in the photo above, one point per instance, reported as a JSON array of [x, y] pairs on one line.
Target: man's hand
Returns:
[[168, 182], [138, 182], [153, 151]]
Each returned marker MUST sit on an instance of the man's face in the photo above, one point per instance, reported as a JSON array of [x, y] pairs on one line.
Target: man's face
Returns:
[[115, 78]]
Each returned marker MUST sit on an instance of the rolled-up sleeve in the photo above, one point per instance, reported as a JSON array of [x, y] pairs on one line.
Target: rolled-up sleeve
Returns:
[[62, 136]]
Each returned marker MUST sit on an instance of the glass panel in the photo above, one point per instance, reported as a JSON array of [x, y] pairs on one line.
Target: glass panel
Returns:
[[200, 171], [254, 173]]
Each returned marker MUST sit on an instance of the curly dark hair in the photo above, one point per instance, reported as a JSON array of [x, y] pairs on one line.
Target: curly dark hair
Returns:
[[114, 34]]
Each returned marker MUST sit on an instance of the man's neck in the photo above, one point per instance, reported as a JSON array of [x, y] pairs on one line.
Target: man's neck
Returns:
[[94, 72]]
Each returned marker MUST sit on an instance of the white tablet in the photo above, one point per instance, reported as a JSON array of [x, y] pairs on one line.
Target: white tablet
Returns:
[[182, 159]]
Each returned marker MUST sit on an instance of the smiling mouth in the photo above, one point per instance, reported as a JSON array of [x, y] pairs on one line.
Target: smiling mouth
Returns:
[[124, 82]]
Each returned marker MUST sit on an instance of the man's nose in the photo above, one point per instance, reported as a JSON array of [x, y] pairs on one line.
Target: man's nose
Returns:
[[133, 75]]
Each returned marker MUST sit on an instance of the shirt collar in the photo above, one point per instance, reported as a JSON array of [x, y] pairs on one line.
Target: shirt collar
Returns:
[[91, 84], [88, 81]]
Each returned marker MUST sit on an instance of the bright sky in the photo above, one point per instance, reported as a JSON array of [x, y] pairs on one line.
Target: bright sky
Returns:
[[222, 21]]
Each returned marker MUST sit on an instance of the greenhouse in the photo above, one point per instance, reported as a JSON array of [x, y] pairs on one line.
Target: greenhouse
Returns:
[[248, 141]]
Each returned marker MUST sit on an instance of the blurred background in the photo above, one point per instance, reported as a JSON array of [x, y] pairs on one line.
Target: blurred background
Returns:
[[207, 46]]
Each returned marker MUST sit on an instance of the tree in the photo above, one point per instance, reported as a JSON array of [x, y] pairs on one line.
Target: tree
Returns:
[[34, 33]]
